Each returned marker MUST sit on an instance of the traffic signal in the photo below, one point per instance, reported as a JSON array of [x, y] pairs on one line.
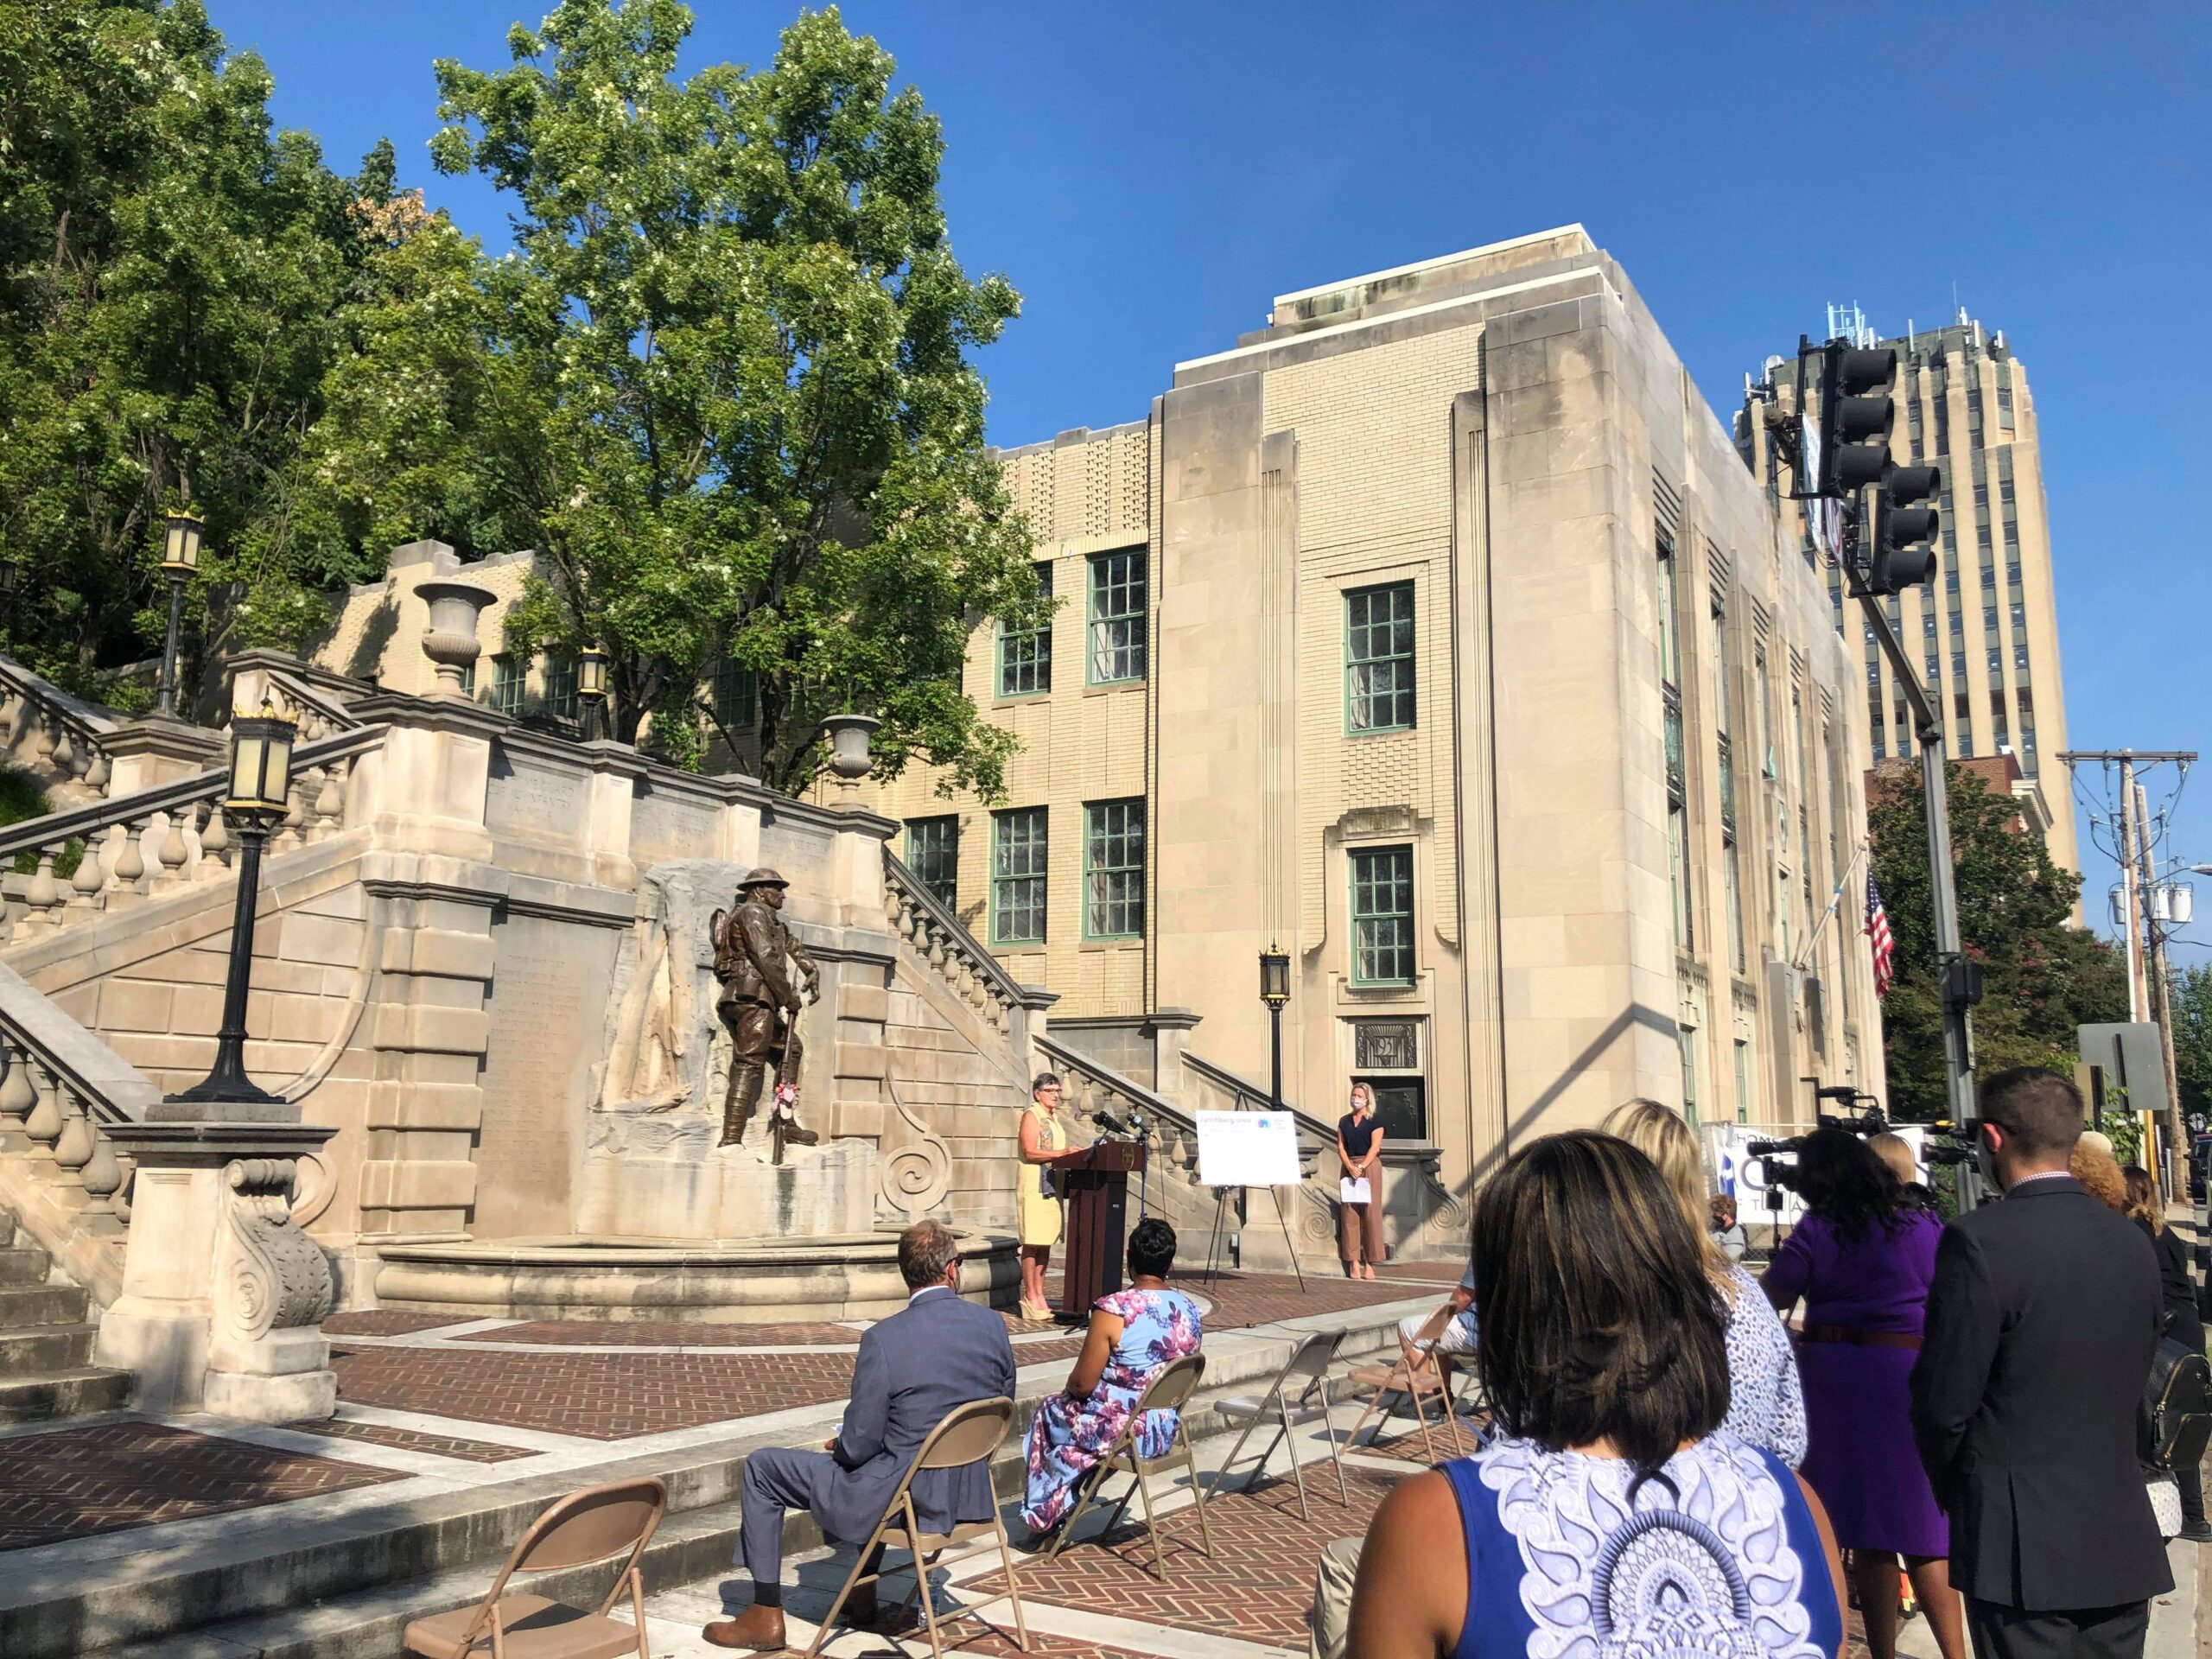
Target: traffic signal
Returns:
[[1896, 558], [1856, 414]]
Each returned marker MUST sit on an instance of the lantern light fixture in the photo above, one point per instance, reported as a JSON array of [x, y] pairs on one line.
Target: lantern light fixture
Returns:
[[181, 548], [1274, 977]]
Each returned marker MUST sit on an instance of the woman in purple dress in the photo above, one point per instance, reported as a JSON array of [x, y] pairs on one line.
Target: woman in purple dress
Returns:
[[1134, 1333], [1862, 1259]]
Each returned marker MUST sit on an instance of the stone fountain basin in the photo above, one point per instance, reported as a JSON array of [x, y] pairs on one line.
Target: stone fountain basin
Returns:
[[756, 1281]]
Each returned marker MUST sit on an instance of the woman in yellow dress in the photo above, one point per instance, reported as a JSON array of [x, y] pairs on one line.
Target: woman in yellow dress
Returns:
[[1043, 1210]]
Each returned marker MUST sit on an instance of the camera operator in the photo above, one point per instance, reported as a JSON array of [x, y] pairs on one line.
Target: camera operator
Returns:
[[1862, 1259]]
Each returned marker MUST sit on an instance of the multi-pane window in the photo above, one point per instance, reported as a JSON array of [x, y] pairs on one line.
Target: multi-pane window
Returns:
[[1743, 1081], [2005, 395], [735, 694], [1113, 869], [1382, 916], [2019, 611], [1017, 856], [1724, 753], [507, 680], [469, 681], [1117, 616], [561, 683], [1670, 695], [1996, 664], [1379, 658], [933, 854], [1686, 1036], [2020, 664], [1026, 654]]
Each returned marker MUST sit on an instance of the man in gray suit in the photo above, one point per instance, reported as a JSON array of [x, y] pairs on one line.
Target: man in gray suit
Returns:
[[913, 1370]]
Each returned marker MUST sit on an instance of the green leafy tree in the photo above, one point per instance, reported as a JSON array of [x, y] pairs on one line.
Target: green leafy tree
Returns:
[[723, 385], [2041, 975], [2192, 1015], [171, 273]]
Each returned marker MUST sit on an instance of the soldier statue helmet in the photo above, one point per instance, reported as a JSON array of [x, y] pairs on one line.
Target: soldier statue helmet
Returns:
[[759, 1003]]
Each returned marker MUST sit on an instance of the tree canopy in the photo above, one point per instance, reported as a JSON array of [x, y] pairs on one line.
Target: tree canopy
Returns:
[[2041, 975], [173, 280], [722, 385]]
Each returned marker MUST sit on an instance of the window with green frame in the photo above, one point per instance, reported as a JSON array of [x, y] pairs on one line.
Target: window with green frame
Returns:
[[469, 681], [561, 683], [1113, 869], [736, 695], [1117, 616], [1018, 864], [508, 678], [1026, 654], [1379, 658], [933, 854], [1382, 916]]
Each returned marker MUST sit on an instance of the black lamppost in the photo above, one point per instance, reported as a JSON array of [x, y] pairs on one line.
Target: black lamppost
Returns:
[[591, 689], [10, 579], [1274, 991], [261, 777], [179, 558]]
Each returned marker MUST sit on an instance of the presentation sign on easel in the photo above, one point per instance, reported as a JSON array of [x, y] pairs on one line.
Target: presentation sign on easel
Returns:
[[1249, 1149]]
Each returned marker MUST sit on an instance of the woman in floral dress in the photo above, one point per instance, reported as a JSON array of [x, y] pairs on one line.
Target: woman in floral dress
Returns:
[[1134, 1333]]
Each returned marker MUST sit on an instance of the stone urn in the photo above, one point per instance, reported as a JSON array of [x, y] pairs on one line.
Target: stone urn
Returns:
[[450, 642], [849, 750]]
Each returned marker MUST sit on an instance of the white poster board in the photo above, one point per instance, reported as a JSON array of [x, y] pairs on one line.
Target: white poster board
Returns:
[[1916, 1136], [1248, 1149], [1743, 1176]]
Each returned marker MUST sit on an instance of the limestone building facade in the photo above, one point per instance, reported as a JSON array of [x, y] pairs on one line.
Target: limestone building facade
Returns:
[[1985, 632], [1436, 633]]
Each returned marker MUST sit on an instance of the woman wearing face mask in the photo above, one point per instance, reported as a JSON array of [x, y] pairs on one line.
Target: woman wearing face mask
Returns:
[[1359, 1218]]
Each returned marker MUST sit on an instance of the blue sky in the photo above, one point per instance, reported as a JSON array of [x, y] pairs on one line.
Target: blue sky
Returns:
[[1151, 175]]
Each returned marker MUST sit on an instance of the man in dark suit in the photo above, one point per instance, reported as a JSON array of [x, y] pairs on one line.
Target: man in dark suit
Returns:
[[2042, 1322], [912, 1371]]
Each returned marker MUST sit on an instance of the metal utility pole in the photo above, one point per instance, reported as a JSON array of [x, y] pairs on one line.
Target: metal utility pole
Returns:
[[2148, 987]]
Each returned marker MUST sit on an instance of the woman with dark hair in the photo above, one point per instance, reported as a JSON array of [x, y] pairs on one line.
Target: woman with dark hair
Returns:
[[2184, 1323], [1134, 1333], [1862, 1260], [1610, 1503]]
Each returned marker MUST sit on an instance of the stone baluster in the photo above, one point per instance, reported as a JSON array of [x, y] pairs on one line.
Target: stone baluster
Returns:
[[329, 804], [296, 812], [96, 775], [73, 1148], [44, 1124], [214, 842], [13, 705], [128, 862], [17, 1095], [120, 1201], [63, 754], [41, 738], [42, 899], [101, 1176], [88, 879], [173, 851]]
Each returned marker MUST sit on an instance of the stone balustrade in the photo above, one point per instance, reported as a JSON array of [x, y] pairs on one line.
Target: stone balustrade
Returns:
[[938, 937], [106, 855], [56, 738], [63, 1094]]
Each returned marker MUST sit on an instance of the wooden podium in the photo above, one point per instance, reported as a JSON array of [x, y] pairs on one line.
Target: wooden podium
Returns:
[[1096, 1181]]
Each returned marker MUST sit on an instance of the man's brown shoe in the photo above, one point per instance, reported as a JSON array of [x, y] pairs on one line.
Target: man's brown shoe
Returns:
[[757, 1627]]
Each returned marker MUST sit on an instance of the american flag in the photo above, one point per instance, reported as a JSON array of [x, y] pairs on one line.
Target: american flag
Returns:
[[1877, 931]]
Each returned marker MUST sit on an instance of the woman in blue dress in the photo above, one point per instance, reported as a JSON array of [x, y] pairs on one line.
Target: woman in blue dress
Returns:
[[1132, 1334], [1612, 1516]]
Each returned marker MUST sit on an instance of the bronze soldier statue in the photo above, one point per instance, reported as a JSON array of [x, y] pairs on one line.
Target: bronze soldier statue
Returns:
[[759, 1002]]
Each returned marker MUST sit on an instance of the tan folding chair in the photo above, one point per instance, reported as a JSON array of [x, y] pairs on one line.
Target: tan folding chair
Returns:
[[1299, 1394], [1416, 1378], [1170, 1389], [593, 1525], [971, 1434]]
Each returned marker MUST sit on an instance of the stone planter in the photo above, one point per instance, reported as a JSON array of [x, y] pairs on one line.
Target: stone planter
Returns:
[[450, 642], [848, 749]]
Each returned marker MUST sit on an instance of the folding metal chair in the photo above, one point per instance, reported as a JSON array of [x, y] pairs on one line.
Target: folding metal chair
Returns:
[[593, 1525], [1170, 1389], [1306, 1371], [972, 1434], [1416, 1383]]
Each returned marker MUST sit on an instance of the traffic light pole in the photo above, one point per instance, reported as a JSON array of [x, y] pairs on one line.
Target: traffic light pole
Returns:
[[1943, 890]]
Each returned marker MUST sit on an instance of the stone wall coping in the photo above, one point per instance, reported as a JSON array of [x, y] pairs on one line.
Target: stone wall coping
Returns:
[[171, 738], [112, 1090], [210, 1143]]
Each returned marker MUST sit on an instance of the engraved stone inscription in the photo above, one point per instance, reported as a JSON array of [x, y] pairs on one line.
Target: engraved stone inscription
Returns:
[[533, 801], [548, 1001], [670, 826]]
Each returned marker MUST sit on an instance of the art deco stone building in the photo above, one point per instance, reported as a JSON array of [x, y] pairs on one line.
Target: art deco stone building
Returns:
[[1436, 632], [1986, 631]]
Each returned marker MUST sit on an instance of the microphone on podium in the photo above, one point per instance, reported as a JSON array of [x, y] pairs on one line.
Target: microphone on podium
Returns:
[[1110, 1123]]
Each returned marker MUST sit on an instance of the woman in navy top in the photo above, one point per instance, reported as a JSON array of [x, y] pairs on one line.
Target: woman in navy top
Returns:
[[1611, 1503], [1359, 1151]]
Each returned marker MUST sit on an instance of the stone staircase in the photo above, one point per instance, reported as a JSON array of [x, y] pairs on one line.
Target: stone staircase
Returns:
[[46, 1341]]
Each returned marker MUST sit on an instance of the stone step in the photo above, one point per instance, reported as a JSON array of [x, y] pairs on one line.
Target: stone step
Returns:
[[25, 1305], [342, 1587], [76, 1392], [45, 1348], [24, 1264]]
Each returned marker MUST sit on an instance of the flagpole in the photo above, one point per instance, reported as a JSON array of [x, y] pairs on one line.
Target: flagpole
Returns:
[[1813, 939]]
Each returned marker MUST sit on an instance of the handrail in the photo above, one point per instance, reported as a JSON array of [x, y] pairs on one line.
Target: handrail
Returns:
[[303, 697], [88, 717], [33, 834], [908, 886], [1114, 1081], [1244, 1089]]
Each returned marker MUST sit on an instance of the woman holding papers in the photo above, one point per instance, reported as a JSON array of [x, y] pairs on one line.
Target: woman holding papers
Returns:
[[1360, 1191]]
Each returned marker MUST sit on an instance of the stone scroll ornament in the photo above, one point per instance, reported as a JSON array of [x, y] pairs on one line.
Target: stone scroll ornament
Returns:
[[918, 1173], [278, 1277]]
